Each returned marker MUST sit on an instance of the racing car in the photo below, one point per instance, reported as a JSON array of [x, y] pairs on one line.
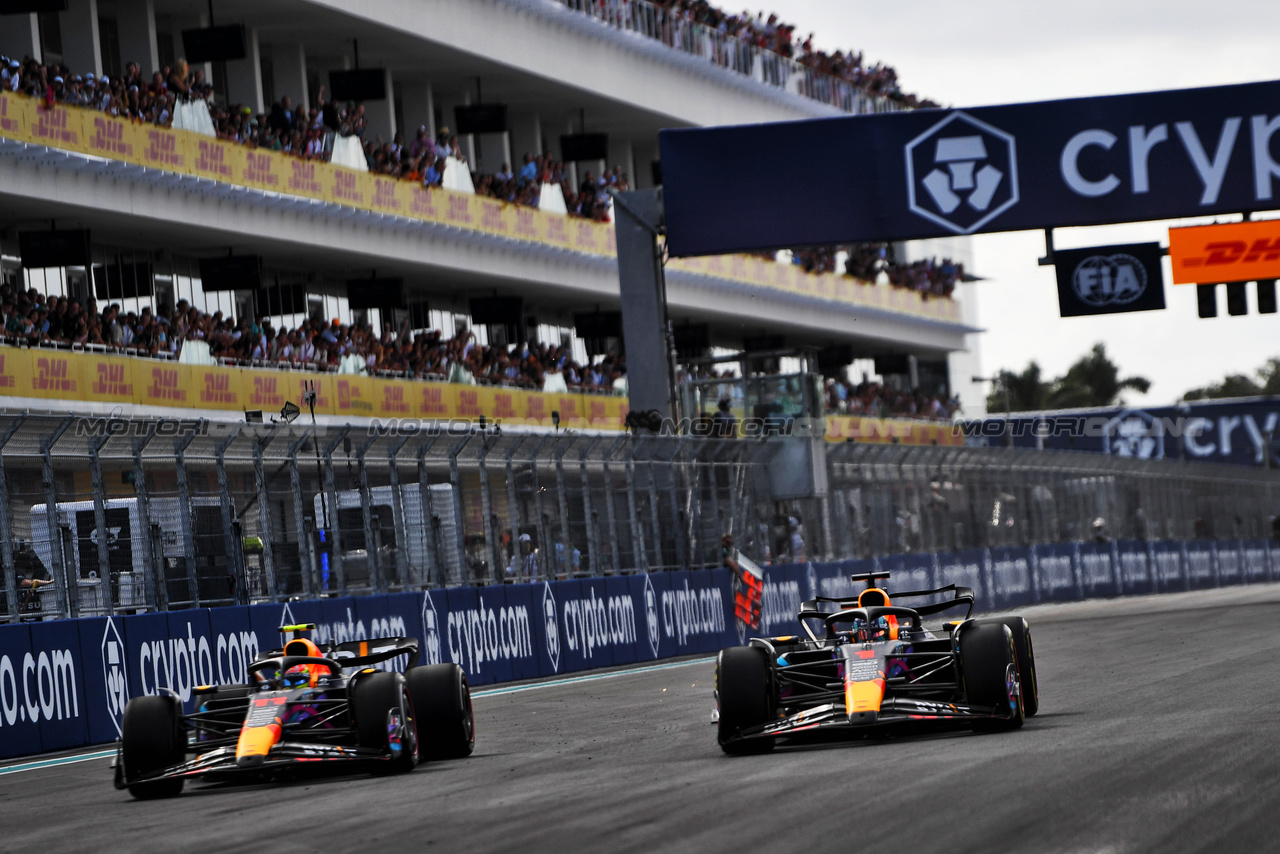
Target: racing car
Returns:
[[301, 705], [866, 662]]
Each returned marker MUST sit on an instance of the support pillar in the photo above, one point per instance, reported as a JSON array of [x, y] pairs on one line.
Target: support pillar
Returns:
[[20, 37], [81, 45], [244, 76], [644, 302], [381, 115], [289, 74], [136, 24], [417, 102], [526, 137]]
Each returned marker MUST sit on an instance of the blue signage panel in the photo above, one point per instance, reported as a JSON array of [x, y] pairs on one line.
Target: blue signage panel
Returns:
[[19, 696], [935, 173]]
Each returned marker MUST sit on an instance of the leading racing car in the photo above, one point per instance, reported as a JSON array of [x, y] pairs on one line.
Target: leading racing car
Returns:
[[301, 705], [875, 664]]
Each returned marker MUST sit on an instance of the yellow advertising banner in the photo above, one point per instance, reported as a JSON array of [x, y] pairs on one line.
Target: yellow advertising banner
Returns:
[[107, 378], [52, 375], [435, 400], [217, 160], [212, 387], [265, 170], [265, 390], [842, 428], [298, 383], [354, 396], [163, 148], [160, 384], [60, 127], [15, 116], [393, 398], [14, 367], [304, 178], [107, 136]]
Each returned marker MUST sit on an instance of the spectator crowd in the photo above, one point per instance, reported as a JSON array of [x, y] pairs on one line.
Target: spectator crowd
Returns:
[[303, 131], [876, 400], [929, 277], [32, 319], [676, 18]]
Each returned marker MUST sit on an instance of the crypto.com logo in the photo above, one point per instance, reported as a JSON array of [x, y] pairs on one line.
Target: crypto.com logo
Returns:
[[961, 173], [651, 615], [552, 626], [114, 674]]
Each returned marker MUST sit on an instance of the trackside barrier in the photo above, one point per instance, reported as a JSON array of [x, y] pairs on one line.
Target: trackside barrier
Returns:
[[64, 683]]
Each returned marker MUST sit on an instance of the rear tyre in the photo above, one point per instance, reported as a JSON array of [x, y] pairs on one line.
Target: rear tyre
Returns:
[[1026, 662], [744, 696], [384, 720], [152, 738], [442, 701], [989, 663]]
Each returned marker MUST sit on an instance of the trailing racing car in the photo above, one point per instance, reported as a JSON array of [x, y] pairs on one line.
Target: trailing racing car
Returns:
[[301, 705], [866, 663]]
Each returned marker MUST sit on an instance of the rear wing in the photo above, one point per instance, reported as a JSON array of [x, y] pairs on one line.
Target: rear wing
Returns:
[[961, 596], [361, 653]]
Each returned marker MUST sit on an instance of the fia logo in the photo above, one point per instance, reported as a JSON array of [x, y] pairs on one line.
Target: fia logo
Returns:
[[961, 173], [551, 625], [430, 630], [651, 614], [114, 673], [1102, 280]]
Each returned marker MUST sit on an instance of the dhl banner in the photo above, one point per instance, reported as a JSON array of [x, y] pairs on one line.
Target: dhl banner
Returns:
[[1230, 252], [844, 428], [100, 378], [188, 153]]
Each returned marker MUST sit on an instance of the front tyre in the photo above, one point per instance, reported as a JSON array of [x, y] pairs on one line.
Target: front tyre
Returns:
[[1026, 661], [744, 697], [989, 663], [442, 700], [152, 739], [384, 721]]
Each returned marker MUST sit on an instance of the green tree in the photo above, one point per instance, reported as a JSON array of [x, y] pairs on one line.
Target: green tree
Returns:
[[1028, 390], [1238, 385], [1094, 380]]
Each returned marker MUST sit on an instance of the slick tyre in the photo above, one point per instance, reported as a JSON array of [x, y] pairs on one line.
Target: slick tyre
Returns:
[[152, 738], [989, 663], [377, 700], [1026, 661], [744, 694], [442, 701]]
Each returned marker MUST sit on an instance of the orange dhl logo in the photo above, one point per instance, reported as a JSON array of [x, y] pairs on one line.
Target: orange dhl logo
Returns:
[[422, 202], [6, 380], [393, 399], [304, 177], [459, 210], [598, 411], [111, 381], [108, 137], [469, 404], [349, 398], [53, 125], [264, 390], [535, 407], [526, 224], [492, 219], [504, 405], [433, 401], [163, 148], [53, 375], [7, 123], [1235, 252], [344, 187], [384, 195], [586, 234], [164, 385], [212, 158], [258, 169], [217, 388], [555, 230], [568, 408]]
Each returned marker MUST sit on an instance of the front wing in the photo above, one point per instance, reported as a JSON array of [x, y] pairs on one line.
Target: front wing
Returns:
[[893, 710], [220, 760]]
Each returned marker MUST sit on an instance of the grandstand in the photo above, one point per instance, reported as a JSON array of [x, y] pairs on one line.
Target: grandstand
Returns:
[[379, 233]]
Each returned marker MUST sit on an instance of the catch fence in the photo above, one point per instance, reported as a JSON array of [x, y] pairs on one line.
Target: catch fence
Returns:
[[122, 516]]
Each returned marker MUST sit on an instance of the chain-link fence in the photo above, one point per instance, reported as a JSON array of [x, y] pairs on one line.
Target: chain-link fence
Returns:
[[108, 516]]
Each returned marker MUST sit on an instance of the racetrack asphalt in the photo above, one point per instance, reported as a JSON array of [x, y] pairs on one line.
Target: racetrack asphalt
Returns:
[[1157, 732]]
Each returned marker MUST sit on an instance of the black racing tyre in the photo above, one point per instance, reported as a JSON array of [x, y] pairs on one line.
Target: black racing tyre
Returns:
[[442, 702], [1026, 661], [744, 694], [152, 738], [988, 661], [373, 698]]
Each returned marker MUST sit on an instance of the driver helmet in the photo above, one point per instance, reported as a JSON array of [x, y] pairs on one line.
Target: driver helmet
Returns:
[[302, 674]]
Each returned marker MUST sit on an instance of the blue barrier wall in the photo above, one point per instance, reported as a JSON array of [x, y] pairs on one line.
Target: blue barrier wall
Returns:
[[65, 683]]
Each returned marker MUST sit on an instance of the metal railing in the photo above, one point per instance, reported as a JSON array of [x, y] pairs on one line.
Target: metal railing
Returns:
[[730, 52], [115, 516]]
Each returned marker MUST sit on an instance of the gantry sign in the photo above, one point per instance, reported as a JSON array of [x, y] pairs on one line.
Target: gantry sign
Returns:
[[936, 173]]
